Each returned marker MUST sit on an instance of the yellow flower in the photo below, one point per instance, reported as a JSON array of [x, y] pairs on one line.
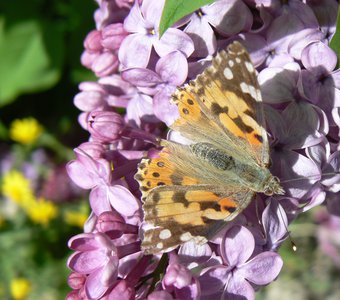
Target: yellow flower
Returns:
[[20, 288], [75, 218], [17, 188], [25, 131], [42, 211]]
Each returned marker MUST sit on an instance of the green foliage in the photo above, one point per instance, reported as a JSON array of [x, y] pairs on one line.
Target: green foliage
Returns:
[[335, 42], [34, 37], [177, 9]]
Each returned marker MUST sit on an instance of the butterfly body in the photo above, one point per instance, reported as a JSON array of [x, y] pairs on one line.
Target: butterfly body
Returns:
[[190, 191]]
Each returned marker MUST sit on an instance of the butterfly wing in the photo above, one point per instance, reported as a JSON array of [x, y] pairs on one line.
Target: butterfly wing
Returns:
[[223, 106], [185, 198], [177, 214]]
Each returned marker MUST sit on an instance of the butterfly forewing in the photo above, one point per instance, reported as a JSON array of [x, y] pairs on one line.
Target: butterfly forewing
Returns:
[[227, 96]]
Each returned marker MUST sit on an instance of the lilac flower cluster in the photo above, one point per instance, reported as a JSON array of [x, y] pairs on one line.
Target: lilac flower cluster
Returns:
[[126, 112]]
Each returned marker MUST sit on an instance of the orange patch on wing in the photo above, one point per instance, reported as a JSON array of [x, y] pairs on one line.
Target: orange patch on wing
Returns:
[[231, 126], [226, 203], [201, 196], [187, 106], [253, 140]]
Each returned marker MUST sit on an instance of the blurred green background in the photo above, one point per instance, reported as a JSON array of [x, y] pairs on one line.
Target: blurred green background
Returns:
[[41, 42]]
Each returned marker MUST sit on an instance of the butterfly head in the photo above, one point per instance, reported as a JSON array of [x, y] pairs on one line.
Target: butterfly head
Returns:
[[273, 187]]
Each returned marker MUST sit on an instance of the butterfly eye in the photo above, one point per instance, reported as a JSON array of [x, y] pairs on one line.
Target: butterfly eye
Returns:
[[273, 187]]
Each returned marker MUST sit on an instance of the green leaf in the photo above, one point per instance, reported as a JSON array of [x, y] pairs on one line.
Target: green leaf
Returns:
[[175, 9], [28, 60], [335, 42]]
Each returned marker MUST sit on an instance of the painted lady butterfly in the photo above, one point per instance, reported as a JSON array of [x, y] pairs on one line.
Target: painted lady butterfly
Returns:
[[190, 191]]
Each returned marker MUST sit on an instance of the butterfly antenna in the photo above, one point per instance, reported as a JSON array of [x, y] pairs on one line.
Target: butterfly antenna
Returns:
[[292, 243], [310, 177]]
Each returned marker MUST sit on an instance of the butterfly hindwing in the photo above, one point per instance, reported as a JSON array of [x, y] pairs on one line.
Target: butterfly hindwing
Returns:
[[177, 214]]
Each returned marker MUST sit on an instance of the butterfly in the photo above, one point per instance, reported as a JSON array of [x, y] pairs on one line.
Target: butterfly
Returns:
[[190, 191]]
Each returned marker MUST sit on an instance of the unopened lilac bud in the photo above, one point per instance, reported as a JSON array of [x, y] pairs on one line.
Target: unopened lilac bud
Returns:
[[76, 280], [92, 41], [105, 126], [112, 36], [105, 64], [113, 225]]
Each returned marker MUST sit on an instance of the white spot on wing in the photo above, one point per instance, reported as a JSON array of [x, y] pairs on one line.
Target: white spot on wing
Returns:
[[165, 234], [249, 66], [228, 73], [238, 60], [251, 90], [159, 246], [230, 63], [185, 237]]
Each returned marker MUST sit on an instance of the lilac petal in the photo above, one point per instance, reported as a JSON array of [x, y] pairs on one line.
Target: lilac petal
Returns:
[[263, 268], [135, 22], [80, 176], [316, 197], [256, 46], [304, 13], [177, 275], [290, 165], [238, 289], [83, 242], [99, 201], [190, 292], [302, 125], [326, 13], [173, 39], [160, 295], [152, 10], [213, 280], [122, 200], [282, 30], [122, 290], [105, 64], [191, 252], [275, 224], [89, 100], [141, 77], [86, 262], [237, 246], [202, 35], [332, 181], [276, 123], [140, 108], [173, 68], [279, 60], [278, 85], [302, 39], [135, 51], [95, 288], [319, 153], [224, 15], [318, 53], [163, 108]]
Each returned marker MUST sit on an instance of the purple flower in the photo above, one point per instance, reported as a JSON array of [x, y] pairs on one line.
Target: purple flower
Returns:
[[124, 112], [223, 15], [96, 175], [170, 71], [240, 269], [142, 22], [95, 256]]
